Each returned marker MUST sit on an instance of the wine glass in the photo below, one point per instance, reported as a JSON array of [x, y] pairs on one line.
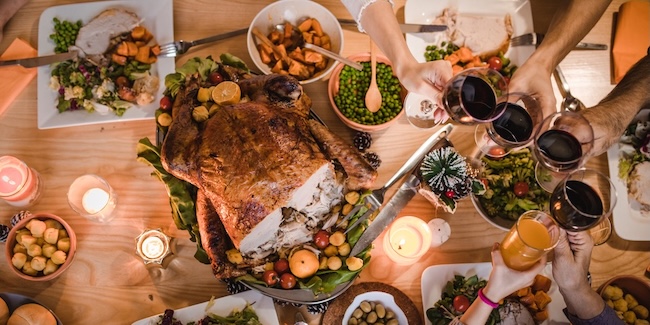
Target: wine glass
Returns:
[[583, 200], [513, 129], [562, 143], [470, 97]]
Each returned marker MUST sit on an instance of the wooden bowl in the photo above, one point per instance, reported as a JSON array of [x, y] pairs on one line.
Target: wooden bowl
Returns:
[[11, 242], [637, 287], [333, 89]]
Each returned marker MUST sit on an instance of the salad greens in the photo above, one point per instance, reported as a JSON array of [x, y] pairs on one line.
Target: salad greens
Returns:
[[443, 311], [247, 316], [502, 176], [636, 135]]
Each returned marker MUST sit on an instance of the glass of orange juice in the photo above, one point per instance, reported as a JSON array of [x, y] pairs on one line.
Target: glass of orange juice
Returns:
[[534, 235]]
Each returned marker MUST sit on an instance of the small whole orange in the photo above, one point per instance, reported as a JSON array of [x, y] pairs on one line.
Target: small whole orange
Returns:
[[303, 263]]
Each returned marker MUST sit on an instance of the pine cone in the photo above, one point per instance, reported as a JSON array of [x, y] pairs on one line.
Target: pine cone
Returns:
[[373, 159], [19, 216], [4, 233], [281, 303], [234, 286], [362, 140], [462, 190], [318, 308]]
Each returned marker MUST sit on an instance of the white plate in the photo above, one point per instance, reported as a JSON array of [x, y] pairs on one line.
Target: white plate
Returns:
[[630, 222], [262, 305], [435, 277], [384, 298], [426, 11], [157, 16]]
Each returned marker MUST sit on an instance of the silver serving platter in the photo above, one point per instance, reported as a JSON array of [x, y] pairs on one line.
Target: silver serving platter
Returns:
[[300, 296]]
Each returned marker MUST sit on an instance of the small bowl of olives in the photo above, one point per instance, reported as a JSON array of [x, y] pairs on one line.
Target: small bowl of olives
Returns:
[[347, 89], [40, 247], [374, 307]]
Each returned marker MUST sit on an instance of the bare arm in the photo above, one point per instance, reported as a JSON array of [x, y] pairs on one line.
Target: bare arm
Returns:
[[613, 114], [8, 9], [569, 25]]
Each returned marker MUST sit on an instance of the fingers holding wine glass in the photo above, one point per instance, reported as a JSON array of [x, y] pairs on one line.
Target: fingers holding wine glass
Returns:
[[472, 95], [562, 143], [424, 112]]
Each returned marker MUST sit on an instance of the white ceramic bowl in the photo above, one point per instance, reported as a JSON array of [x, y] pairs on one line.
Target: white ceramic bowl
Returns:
[[384, 298], [294, 11]]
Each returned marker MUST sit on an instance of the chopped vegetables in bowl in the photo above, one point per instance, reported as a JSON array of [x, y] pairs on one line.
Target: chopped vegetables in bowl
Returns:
[[511, 188]]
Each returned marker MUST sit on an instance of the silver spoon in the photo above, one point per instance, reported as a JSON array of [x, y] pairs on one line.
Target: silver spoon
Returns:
[[569, 103]]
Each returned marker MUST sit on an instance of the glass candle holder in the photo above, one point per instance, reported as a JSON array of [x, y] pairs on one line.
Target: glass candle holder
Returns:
[[153, 246], [407, 239], [92, 197], [20, 185]]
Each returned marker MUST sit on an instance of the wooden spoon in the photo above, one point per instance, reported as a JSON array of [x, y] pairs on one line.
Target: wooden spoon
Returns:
[[373, 96]]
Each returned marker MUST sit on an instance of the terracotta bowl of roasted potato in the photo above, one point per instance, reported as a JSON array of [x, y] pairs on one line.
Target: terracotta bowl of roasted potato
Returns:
[[40, 247], [627, 293], [301, 21]]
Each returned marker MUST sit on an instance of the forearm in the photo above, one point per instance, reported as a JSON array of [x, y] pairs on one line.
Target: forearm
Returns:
[[379, 21], [614, 113], [8, 8], [583, 302], [478, 312], [568, 27]]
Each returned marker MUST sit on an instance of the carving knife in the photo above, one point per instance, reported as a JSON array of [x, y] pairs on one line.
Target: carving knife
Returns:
[[40, 60], [406, 28], [387, 214]]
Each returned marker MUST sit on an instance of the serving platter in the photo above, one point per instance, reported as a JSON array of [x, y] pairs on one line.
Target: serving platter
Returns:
[[426, 11], [630, 222], [156, 15], [223, 306], [435, 277]]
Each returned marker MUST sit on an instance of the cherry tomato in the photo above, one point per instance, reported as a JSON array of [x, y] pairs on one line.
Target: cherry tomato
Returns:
[[281, 266], [520, 189], [461, 303], [485, 182], [322, 239], [270, 277], [496, 152], [287, 281], [495, 63], [166, 103], [215, 77]]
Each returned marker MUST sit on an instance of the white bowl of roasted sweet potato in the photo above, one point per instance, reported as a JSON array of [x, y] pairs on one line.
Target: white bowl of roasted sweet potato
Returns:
[[277, 34]]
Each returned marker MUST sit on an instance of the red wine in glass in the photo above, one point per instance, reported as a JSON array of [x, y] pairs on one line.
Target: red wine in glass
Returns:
[[576, 206], [562, 149], [515, 124], [471, 98]]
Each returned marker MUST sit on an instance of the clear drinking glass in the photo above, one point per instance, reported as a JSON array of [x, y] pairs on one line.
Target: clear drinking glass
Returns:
[[92, 197], [562, 142], [532, 237], [513, 129]]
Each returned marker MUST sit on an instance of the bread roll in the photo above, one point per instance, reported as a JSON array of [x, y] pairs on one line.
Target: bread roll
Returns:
[[4, 312], [31, 314]]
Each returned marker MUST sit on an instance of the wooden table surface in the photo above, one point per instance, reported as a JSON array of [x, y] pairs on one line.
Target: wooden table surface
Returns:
[[108, 283]]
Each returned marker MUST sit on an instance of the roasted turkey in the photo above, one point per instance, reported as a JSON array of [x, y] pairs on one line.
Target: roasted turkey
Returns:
[[262, 166]]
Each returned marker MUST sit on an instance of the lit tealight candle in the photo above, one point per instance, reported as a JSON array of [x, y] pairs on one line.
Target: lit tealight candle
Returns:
[[408, 238], [95, 200], [153, 246]]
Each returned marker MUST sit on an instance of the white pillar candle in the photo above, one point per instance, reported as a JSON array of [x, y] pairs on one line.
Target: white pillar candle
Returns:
[[407, 239]]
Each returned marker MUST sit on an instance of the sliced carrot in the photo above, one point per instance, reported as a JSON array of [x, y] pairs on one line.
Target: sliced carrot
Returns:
[[456, 69], [464, 54], [452, 58]]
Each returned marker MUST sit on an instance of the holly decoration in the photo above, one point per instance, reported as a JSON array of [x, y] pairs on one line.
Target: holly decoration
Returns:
[[449, 176]]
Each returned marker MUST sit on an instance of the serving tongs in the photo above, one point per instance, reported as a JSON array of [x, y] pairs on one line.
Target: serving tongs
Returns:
[[375, 199]]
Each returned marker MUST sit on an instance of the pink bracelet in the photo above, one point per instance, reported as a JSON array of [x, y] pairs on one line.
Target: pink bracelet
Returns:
[[486, 300]]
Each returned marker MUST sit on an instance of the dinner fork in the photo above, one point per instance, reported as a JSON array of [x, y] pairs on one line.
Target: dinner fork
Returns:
[[172, 49], [536, 39], [375, 199]]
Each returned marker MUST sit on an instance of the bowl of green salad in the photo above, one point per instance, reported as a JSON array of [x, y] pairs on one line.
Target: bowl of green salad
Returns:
[[347, 89], [511, 188]]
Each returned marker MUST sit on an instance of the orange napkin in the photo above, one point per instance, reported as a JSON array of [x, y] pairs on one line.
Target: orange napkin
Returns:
[[632, 36], [13, 79]]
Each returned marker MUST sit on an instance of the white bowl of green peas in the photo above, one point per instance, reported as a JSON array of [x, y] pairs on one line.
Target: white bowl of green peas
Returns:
[[347, 90]]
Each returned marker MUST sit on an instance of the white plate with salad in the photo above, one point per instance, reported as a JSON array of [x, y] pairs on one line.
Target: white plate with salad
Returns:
[[435, 278], [156, 16], [426, 11], [262, 305], [631, 221]]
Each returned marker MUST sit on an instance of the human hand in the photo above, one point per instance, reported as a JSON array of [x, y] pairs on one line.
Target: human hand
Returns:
[[535, 81], [427, 79], [571, 259], [503, 280]]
